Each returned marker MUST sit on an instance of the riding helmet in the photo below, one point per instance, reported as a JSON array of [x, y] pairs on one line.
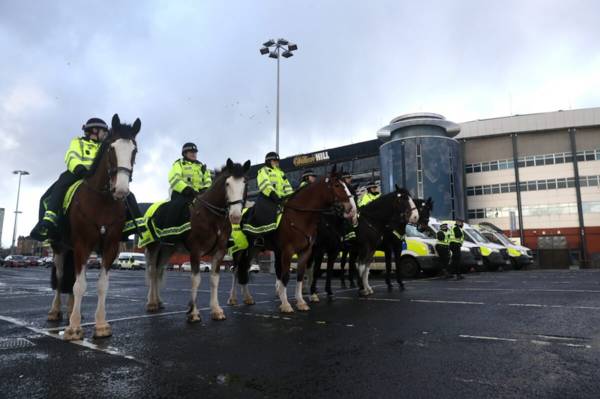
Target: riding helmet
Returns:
[[371, 184], [189, 147], [94, 122], [271, 156], [347, 175], [308, 172]]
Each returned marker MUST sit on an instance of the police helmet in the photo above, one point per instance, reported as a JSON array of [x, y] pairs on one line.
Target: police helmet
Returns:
[[371, 185], [347, 175], [94, 123], [189, 147], [307, 173], [271, 156]]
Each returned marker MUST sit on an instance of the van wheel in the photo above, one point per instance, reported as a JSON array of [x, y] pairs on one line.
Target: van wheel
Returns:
[[409, 268]]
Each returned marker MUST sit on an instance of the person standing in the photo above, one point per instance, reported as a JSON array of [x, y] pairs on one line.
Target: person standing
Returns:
[[443, 247], [457, 237]]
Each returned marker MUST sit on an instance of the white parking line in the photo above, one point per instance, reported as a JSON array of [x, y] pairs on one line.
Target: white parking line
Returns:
[[522, 289], [487, 338], [451, 302]]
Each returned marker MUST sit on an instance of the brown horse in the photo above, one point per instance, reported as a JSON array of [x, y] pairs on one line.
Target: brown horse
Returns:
[[211, 216], [296, 235], [95, 221]]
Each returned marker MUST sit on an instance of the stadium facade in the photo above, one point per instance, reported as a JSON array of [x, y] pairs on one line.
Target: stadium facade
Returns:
[[535, 176]]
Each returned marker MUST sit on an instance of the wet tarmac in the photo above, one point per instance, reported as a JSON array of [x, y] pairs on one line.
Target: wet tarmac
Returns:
[[530, 334]]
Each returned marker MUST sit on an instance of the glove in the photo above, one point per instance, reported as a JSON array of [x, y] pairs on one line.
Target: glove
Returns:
[[274, 197], [80, 171], [189, 192]]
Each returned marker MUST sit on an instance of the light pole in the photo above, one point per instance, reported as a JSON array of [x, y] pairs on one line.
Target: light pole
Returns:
[[20, 173], [278, 49]]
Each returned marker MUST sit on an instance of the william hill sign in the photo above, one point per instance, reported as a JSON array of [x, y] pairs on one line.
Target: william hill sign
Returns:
[[303, 160]]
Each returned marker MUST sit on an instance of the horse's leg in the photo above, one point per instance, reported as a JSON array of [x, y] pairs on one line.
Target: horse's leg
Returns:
[[331, 257], [342, 265], [243, 275], [57, 274], [216, 311], [74, 331], [317, 259], [366, 279], [362, 272], [397, 247], [388, 265], [232, 300], [152, 253], [193, 313], [164, 254], [352, 267], [283, 277], [302, 259], [310, 275], [102, 327]]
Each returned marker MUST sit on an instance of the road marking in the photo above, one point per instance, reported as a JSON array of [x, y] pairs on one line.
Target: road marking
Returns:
[[523, 289], [487, 338], [536, 305], [84, 343], [450, 302]]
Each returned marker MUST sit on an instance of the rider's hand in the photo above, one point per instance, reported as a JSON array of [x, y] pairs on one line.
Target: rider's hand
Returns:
[[189, 192], [80, 171], [274, 197]]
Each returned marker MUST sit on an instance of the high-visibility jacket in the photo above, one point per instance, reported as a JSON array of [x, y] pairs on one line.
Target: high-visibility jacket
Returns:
[[457, 235], [273, 180], [192, 174], [367, 198], [82, 151], [443, 237]]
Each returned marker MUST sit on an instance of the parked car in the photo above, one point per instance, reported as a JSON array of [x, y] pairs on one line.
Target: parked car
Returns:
[[187, 267], [132, 261], [254, 268], [15, 261], [31, 260], [46, 261]]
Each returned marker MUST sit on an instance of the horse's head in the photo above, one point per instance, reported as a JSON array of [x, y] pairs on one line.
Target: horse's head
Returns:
[[424, 207], [341, 194], [235, 188], [405, 207], [122, 151]]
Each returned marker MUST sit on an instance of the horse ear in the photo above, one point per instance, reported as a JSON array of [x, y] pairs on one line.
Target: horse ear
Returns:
[[334, 169], [229, 164], [137, 125], [115, 121], [397, 187], [247, 166]]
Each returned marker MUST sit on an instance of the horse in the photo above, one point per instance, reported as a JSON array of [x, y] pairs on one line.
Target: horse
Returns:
[[95, 221], [329, 241], [392, 244], [296, 234], [391, 211], [211, 216]]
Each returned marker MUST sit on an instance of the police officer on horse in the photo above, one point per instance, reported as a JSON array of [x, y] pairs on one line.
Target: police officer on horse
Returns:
[[308, 176], [79, 158], [371, 195]]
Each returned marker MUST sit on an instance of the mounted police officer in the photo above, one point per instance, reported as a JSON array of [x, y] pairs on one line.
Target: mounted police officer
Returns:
[[443, 247], [371, 194], [457, 237], [273, 187], [79, 159], [188, 177], [308, 177]]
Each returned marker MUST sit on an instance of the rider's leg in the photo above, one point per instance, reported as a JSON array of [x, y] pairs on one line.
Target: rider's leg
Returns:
[[49, 224]]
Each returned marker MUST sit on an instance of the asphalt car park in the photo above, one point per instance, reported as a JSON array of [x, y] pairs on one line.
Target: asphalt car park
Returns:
[[531, 334]]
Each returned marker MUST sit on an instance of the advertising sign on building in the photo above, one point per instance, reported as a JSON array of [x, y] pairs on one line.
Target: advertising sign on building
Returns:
[[303, 160]]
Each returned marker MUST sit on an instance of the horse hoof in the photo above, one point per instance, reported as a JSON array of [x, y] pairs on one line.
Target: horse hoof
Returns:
[[370, 291], [193, 318], [363, 293], [152, 307], [232, 302], [249, 301], [73, 334], [303, 307], [314, 298], [286, 308], [217, 314], [102, 331], [54, 316]]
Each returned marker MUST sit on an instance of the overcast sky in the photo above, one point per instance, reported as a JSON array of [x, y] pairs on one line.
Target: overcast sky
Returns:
[[191, 71]]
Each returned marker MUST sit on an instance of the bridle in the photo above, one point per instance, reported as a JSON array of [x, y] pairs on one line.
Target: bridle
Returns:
[[114, 170], [221, 211]]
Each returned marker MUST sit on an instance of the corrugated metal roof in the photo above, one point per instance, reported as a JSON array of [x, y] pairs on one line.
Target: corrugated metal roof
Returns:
[[530, 123]]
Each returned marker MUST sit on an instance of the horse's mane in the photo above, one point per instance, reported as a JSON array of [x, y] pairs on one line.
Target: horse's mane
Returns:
[[105, 144]]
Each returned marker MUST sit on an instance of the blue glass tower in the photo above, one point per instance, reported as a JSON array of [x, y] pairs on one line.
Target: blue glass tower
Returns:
[[420, 154]]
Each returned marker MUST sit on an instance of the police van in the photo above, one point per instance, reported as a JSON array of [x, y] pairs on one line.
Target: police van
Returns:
[[519, 255]]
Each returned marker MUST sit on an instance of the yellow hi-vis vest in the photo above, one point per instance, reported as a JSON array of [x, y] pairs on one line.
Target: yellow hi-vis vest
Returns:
[[453, 238], [367, 198], [273, 180], [82, 151], [186, 173]]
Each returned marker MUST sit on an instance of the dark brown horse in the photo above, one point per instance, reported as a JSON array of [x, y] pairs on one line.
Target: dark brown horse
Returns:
[[296, 234], [211, 216], [95, 222]]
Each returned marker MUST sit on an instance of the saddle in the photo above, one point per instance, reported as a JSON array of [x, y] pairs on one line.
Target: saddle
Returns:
[[163, 225], [263, 217]]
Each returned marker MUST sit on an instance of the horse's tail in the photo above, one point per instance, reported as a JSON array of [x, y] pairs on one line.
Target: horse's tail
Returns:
[[68, 275]]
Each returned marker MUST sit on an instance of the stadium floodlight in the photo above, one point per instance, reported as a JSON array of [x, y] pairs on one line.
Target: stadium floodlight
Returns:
[[287, 54], [282, 42], [264, 50], [292, 47], [269, 43]]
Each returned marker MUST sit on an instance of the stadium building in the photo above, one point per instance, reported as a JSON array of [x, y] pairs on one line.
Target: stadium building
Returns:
[[536, 176]]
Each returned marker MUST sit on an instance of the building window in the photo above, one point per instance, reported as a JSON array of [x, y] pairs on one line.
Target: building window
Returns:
[[580, 156], [512, 187], [495, 189], [551, 184], [549, 159], [470, 191], [561, 183], [476, 168], [529, 161], [568, 157], [589, 155], [523, 186], [493, 165], [593, 181], [419, 173], [469, 168], [504, 188], [597, 155], [531, 186], [571, 182], [541, 185], [521, 162], [583, 181], [478, 190], [539, 160], [559, 158], [487, 190]]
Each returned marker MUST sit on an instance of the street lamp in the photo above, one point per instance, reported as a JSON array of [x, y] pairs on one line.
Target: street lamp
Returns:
[[278, 49], [20, 173]]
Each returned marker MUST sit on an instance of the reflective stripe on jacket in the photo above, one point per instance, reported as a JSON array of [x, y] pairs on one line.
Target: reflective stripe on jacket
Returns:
[[367, 198], [457, 235], [186, 173], [443, 237], [273, 180], [82, 151]]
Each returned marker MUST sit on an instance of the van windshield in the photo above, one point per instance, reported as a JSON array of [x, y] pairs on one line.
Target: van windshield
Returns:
[[477, 237], [412, 231]]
